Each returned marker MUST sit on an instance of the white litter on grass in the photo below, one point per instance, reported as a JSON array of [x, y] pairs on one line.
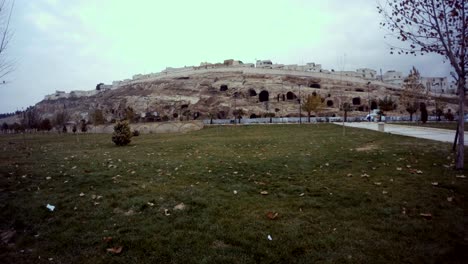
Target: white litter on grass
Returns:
[[235, 192], [269, 237], [50, 207]]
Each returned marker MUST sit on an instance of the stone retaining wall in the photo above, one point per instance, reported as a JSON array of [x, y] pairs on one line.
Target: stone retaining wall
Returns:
[[156, 127], [143, 128]]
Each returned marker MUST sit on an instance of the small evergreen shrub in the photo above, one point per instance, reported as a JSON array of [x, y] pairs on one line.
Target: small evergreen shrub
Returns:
[[122, 134], [83, 125], [424, 114]]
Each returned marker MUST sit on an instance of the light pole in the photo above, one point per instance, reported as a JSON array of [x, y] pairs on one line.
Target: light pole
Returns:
[[299, 100], [235, 105], [368, 97]]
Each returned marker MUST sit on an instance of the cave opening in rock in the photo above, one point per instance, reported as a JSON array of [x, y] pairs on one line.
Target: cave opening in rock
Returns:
[[329, 103], [373, 105], [290, 96], [356, 101], [263, 96], [314, 85], [252, 92], [223, 88]]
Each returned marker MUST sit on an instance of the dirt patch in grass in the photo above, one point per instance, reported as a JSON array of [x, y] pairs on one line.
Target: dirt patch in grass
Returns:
[[367, 147], [219, 244]]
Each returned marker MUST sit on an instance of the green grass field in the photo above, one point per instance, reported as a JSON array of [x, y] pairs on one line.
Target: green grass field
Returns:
[[326, 198]]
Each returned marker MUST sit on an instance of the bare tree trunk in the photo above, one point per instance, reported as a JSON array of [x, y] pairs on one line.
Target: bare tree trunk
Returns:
[[461, 124], [454, 148]]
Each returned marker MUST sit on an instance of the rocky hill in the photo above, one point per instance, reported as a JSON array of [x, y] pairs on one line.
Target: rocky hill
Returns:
[[217, 93]]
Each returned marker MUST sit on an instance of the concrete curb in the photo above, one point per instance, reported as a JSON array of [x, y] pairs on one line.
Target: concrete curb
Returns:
[[435, 134]]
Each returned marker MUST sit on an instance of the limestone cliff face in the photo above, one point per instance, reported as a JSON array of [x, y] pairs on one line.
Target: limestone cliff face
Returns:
[[217, 94]]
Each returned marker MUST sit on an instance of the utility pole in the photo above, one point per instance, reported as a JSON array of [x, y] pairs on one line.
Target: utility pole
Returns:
[[299, 100], [235, 106], [368, 97]]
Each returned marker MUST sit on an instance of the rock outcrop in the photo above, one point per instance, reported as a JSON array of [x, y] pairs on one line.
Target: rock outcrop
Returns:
[[216, 94]]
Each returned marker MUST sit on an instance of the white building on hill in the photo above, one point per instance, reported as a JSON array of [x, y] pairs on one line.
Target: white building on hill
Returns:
[[393, 77], [366, 73], [438, 85]]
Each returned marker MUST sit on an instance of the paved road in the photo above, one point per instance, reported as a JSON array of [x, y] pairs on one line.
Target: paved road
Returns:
[[437, 134]]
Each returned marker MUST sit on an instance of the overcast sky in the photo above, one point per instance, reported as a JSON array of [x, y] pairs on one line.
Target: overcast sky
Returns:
[[73, 45]]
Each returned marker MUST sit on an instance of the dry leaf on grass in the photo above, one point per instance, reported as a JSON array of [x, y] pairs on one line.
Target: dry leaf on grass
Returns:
[[272, 215], [7, 235], [426, 215], [263, 192], [115, 250], [129, 212], [180, 206]]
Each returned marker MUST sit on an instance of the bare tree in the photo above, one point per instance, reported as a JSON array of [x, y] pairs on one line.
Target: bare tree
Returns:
[[413, 93], [6, 10], [387, 104], [433, 26], [439, 107], [61, 118], [347, 107]]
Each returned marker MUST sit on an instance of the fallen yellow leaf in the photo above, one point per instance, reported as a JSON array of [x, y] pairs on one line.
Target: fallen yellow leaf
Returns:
[[115, 250]]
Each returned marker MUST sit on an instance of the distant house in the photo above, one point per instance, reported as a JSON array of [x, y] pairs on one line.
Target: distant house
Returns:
[[393, 77], [267, 64]]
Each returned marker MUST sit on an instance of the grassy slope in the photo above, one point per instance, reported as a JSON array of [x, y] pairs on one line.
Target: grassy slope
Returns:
[[338, 219]]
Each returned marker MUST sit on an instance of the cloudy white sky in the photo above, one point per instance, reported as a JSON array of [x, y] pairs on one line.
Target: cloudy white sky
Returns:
[[75, 44]]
